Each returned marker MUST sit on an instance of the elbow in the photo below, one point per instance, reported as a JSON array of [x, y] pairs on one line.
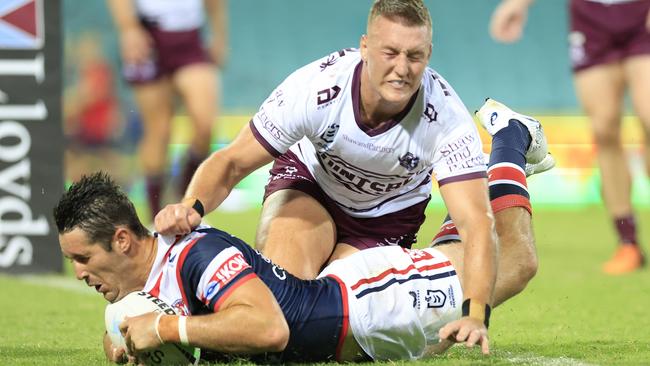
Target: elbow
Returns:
[[276, 337]]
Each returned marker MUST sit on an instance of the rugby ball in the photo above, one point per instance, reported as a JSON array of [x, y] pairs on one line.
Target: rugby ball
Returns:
[[138, 303]]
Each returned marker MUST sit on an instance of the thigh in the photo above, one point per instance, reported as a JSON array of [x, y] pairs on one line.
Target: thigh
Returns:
[[637, 75], [155, 104], [600, 91], [296, 232], [197, 85]]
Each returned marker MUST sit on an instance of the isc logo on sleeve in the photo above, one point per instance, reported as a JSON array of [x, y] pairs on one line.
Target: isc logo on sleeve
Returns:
[[228, 270]]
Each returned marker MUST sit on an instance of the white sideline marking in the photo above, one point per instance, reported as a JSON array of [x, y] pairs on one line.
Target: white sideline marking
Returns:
[[62, 282], [545, 361]]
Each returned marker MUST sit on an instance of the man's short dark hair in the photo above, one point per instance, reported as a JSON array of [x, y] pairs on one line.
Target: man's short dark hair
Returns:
[[97, 205], [408, 12]]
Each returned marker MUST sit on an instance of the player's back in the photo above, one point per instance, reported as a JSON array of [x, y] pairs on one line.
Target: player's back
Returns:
[[314, 310]]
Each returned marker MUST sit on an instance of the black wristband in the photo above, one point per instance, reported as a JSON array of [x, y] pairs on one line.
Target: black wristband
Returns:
[[483, 315], [196, 205]]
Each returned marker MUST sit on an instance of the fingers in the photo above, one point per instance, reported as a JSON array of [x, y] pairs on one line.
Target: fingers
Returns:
[[485, 344], [466, 331], [176, 220]]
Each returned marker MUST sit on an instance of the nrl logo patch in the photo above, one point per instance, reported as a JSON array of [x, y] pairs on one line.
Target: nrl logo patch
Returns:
[[409, 161]]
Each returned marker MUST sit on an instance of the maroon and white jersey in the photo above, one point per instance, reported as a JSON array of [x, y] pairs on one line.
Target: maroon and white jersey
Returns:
[[369, 172], [171, 15]]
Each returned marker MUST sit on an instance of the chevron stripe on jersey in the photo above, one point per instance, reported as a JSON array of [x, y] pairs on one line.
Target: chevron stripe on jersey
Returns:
[[424, 266]]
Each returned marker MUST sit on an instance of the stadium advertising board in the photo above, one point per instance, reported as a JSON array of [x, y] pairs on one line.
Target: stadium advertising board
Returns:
[[31, 137]]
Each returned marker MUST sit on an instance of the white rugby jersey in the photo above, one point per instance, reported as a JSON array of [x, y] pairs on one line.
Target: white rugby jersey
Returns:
[[369, 172], [398, 299], [172, 15]]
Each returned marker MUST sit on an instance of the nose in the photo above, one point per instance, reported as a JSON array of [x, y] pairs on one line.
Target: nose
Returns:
[[401, 65], [79, 270]]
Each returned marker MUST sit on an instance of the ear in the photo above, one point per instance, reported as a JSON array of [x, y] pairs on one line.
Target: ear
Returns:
[[363, 47], [122, 240], [430, 50]]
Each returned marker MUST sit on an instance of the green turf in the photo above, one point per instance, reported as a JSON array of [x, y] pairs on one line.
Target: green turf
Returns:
[[569, 315]]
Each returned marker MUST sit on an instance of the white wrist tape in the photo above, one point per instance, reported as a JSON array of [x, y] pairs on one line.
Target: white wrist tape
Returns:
[[182, 330], [156, 327]]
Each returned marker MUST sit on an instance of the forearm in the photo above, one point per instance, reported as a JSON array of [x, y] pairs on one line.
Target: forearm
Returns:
[[123, 13], [214, 179], [217, 11], [480, 259], [239, 329]]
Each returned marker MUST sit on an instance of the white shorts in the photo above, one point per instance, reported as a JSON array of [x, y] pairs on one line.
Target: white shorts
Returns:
[[398, 299]]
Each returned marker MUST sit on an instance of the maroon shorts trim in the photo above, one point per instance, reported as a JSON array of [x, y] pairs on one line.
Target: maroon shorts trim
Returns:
[[602, 34], [396, 228], [172, 51]]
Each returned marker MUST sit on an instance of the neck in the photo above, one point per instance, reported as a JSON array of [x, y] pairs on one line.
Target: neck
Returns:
[[147, 254]]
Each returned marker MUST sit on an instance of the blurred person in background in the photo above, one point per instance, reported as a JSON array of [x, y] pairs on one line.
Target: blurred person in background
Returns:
[[92, 119], [609, 47], [162, 54]]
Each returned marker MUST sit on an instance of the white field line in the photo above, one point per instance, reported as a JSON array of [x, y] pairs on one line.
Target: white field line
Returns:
[[61, 282], [531, 359]]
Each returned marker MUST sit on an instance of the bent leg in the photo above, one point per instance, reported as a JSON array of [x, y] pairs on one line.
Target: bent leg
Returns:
[[296, 232]]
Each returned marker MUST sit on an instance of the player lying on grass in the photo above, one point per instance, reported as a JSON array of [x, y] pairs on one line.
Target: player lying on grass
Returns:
[[380, 303]]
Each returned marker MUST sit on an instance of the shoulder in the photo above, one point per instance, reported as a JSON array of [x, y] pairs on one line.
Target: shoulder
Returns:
[[442, 100]]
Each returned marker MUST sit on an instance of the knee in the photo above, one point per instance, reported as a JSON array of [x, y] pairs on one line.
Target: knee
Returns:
[[605, 135]]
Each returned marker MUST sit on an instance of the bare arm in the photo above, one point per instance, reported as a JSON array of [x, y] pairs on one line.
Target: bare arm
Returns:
[[213, 181], [217, 13], [508, 20], [135, 42], [249, 321], [469, 207]]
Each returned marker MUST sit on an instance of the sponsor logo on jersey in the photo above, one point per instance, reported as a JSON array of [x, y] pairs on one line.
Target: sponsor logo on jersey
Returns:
[[458, 154], [430, 113], [21, 24], [330, 133], [268, 124], [369, 145], [180, 307], [331, 60], [409, 161], [360, 180], [326, 96], [417, 255], [230, 268], [452, 296]]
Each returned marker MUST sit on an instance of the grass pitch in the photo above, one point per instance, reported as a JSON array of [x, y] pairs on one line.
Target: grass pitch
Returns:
[[570, 314]]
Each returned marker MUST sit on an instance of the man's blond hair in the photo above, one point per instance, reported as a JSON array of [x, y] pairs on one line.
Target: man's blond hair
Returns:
[[408, 12]]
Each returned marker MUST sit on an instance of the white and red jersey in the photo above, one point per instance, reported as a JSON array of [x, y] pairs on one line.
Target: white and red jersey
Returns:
[[171, 15], [398, 299], [369, 172]]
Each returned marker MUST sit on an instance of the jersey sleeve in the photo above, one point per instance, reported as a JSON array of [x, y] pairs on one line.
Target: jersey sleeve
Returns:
[[282, 120], [212, 269], [459, 155]]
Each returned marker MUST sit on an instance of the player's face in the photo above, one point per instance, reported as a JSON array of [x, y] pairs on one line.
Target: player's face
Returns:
[[395, 58], [99, 268]]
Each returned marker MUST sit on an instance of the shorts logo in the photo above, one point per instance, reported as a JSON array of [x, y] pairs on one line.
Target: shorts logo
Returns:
[[21, 24], [435, 298], [493, 117], [180, 307], [409, 161]]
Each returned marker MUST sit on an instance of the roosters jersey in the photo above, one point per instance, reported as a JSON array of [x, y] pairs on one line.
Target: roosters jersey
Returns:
[[369, 172], [196, 273], [171, 15]]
